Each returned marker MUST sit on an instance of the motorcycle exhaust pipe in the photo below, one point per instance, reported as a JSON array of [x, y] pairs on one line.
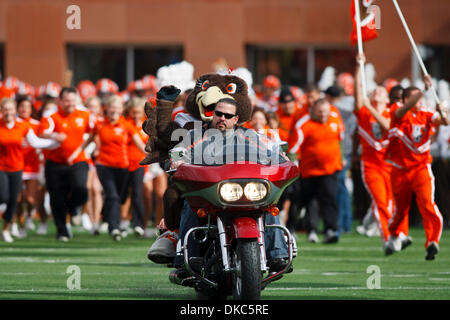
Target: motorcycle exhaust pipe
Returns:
[[200, 236], [174, 278]]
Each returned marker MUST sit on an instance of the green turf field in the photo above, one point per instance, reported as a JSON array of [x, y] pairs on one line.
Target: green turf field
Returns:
[[35, 268]]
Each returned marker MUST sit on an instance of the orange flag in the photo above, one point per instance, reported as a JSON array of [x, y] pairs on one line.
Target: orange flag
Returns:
[[368, 30]]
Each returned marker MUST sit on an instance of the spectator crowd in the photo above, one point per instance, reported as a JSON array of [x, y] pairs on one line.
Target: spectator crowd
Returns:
[[73, 154]]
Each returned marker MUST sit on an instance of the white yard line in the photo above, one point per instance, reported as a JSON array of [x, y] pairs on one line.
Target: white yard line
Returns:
[[354, 288]]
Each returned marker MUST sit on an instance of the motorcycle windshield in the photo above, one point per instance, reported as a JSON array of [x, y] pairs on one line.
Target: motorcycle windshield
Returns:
[[237, 149]]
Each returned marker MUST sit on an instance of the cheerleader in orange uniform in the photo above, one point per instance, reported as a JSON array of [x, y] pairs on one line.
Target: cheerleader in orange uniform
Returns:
[[13, 134], [112, 163]]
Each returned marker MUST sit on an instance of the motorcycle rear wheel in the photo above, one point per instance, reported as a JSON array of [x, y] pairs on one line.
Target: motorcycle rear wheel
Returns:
[[247, 277]]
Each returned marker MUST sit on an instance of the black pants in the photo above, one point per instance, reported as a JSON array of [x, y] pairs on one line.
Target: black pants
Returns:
[[136, 184], [324, 189], [294, 222], [10, 187], [66, 185], [114, 183]]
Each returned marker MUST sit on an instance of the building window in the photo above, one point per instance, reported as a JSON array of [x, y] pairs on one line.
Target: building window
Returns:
[[2, 60], [342, 60], [298, 66], [289, 64], [95, 62], [119, 63], [436, 61], [149, 60]]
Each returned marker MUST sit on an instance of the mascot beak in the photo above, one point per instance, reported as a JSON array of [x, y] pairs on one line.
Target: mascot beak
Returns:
[[206, 101]]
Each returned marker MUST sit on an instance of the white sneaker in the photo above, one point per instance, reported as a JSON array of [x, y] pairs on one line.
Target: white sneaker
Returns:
[[312, 237], [15, 230], [42, 229], [361, 230], [393, 245], [387, 250], [330, 237], [124, 233], [103, 227], [95, 230], [139, 231], [124, 224], [373, 230], [116, 235], [29, 224], [22, 233], [86, 221], [76, 220], [406, 240], [6, 236], [63, 239]]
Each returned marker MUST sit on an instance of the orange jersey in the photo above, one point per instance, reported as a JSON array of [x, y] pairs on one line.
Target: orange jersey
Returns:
[[31, 156], [373, 139], [287, 122], [113, 143], [318, 145], [247, 124], [11, 149], [134, 154], [74, 126], [410, 138]]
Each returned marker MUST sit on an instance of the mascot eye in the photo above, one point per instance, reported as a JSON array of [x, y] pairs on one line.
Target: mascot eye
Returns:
[[231, 88], [205, 85]]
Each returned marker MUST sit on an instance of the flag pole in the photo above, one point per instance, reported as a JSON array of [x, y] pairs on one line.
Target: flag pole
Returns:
[[360, 49], [413, 44]]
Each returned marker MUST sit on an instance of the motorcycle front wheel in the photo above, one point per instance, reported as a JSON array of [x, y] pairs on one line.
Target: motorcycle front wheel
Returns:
[[247, 277]]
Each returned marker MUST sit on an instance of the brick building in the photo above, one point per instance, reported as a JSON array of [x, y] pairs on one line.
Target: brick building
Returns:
[[295, 39]]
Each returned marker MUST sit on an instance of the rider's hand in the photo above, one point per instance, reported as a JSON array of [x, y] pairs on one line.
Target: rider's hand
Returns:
[[169, 93], [175, 164]]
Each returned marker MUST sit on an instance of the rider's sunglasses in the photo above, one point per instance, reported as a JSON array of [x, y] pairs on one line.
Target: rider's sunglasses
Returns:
[[226, 115]]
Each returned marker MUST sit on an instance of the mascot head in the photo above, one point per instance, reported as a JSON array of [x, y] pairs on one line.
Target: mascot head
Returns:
[[210, 88]]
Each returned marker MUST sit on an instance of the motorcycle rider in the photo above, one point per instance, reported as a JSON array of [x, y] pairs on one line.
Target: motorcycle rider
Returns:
[[225, 121]]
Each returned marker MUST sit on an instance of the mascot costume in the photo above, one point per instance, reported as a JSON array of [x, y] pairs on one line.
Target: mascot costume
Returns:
[[200, 104]]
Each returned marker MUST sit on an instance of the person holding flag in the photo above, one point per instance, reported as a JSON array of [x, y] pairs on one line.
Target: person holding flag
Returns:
[[373, 125], [412, 127]]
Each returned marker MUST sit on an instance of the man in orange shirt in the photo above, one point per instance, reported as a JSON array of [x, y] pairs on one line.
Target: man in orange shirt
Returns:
[[66, 167], [409, 153], [317, 137], [288, 112]]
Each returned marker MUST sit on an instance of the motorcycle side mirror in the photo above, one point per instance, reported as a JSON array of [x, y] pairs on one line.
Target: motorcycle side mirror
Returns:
[[284, 146]]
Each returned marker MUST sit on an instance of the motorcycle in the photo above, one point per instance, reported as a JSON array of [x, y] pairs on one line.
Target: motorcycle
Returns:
[[233, 199]]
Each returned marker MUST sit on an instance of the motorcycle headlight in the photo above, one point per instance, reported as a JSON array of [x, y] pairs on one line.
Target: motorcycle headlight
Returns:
[[255, 191], [231, 192]]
